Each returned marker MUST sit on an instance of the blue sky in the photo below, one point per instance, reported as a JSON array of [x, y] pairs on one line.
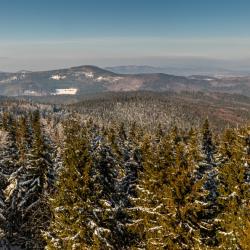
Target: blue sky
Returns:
[[41, 33]]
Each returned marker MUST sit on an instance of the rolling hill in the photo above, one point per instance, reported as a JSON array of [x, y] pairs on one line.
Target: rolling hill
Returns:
[[90, 79]]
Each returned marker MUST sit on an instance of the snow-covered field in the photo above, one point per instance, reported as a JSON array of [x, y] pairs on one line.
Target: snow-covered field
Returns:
[[31, 93], [69, 91]]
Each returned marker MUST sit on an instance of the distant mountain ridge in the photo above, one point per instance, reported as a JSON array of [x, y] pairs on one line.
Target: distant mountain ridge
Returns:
[[135, 69], [177, 70], [91, 79]]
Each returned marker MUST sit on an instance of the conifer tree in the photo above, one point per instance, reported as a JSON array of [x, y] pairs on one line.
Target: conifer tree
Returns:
[[72, 224], [28, 211], [3, 219], [9, 168], [207, 142], [208, 171], [106, 206], [127, 159], [149, 204], [144, 203], [234, 192], [24, 139], [135, 134], [9, 152], [115, 139], [167, 207], [183, 194], [227, 138]]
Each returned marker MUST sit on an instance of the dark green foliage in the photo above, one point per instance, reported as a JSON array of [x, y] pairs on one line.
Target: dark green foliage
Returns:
[[207, 142], [71, 206], [234, 190], [25, 163], [67, 182]]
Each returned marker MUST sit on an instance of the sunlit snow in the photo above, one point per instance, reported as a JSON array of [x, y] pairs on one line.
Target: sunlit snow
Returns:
[[57, 77], [70, 91]]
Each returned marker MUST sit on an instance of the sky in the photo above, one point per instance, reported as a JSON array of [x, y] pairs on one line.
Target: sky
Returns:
[[43, 34]]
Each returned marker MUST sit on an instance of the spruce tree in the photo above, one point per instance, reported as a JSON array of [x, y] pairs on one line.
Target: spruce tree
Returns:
[[24, 140], [72, 224], [9, 169], [149, 211], [183, 196], [208, 171], [106, 206], [28, 212], [234, 193], [9, 152], [3, 219]]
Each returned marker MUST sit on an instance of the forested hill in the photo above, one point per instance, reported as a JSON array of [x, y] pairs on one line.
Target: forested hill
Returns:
[[71, 181], [91, 79], [168, 108], [187, 109]]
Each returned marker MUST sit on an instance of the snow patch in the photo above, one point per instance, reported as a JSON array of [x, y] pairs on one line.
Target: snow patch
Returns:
[[31, 93], [9, 80], [57, 77], [89, 74], [70, 91], [100, 78], [108, 79]]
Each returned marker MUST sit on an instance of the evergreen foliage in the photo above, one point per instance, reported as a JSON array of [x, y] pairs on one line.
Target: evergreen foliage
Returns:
[[70, 204], [70, 183], [234, 190]]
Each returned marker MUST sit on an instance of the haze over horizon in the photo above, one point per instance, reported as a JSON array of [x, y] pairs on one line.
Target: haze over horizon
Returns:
[[42, 35]]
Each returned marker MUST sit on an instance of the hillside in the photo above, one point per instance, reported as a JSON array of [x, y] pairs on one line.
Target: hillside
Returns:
[[90, 79], [148, 109], [187, 109]]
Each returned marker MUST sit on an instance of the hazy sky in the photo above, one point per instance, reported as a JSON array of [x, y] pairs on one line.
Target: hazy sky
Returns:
[[43, 34]]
